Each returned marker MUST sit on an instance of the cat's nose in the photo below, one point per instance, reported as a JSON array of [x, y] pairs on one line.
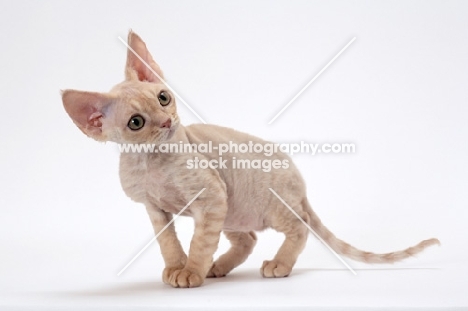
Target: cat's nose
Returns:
[[166, 124]]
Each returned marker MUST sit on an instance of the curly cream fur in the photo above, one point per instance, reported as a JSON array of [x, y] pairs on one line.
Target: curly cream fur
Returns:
[[236, 201]]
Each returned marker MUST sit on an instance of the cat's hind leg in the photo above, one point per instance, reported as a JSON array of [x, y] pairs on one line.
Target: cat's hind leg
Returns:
[[242, 244], [296, 237]]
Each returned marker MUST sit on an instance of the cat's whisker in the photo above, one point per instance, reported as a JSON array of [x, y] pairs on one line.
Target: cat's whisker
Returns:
[[140, 114]]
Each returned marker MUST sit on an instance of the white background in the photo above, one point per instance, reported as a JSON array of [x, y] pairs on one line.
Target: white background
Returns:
[[398, 93]]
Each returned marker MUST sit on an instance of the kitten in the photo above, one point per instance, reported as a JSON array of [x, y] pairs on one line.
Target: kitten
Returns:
[[237, 202]]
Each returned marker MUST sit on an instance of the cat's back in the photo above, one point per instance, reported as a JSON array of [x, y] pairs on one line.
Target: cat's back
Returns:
[[248, 175], [201, 133]]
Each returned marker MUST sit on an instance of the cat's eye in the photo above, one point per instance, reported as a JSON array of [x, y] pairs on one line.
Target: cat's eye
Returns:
[[136, 122], [164, 98]]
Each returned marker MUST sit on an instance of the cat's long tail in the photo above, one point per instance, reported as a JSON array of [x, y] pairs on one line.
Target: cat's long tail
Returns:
[[352, 252]]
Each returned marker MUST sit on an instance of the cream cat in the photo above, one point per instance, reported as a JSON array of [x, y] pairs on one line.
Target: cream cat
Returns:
[[236, 201]]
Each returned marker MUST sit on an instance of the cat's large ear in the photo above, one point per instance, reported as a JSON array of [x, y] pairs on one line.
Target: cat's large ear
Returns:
[[87, 111], [136, 68]]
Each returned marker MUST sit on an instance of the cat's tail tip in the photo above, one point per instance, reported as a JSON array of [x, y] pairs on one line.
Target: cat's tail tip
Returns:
[[390, 258], [430, 242]]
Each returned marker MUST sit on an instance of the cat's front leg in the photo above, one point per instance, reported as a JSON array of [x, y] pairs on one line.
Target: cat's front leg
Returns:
[[171, 250], [209, 221]]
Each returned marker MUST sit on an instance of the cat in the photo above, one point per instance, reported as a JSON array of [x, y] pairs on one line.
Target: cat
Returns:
[[237, 202]]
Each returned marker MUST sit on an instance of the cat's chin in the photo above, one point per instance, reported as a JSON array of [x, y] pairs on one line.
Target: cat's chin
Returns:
[[170, 132], [167, 135]]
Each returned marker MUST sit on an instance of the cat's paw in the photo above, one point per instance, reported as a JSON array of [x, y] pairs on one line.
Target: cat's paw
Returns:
[[184, 278], [168, 271], [217, 271], [275, 269]]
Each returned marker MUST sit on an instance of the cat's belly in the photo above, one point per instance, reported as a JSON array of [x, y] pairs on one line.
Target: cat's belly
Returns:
[[242, 226], [242, 218]]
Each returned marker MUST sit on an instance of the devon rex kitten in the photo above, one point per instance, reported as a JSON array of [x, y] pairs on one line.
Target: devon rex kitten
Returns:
[[236, 201]]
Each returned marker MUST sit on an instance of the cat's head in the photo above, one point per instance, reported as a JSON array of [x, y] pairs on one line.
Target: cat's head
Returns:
[[139, 110]]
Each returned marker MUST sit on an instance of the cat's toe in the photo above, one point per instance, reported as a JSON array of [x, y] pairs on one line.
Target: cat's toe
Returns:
[[217, 271], [274, 269], [185, 278], [168, 272]]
